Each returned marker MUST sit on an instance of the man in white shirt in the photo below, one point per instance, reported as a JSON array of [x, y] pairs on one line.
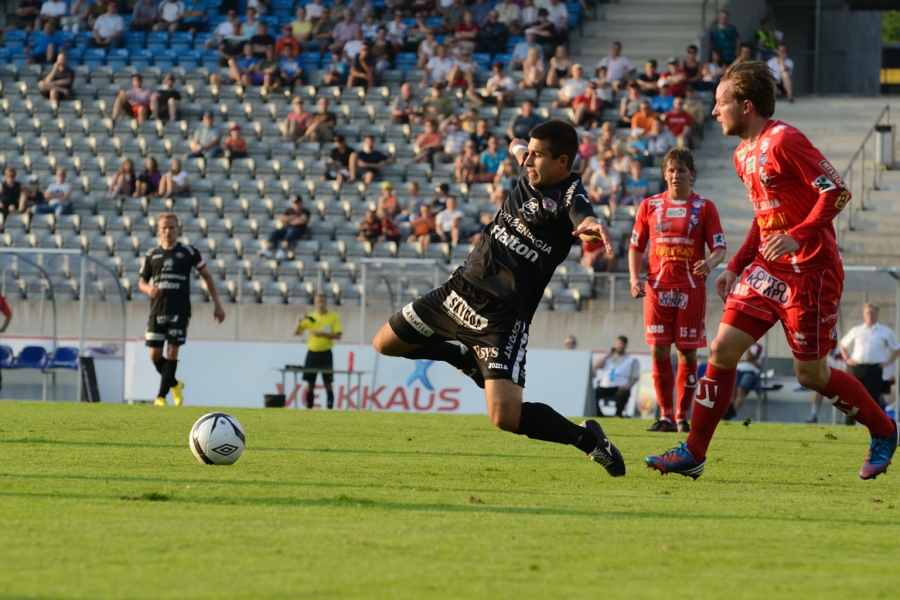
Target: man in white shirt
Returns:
[[109, 27], [571, 88], [868, 349], [57, 194], [449, 222], [499, 90], [438, 67], [782, 69], [558, 15], [605, 183], [51, 10], [508, 13], [616, 374], [170, 13], [314, 11], [618, 67]]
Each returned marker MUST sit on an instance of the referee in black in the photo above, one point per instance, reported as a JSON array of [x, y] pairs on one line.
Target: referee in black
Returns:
[[166, 278], [487, 305]]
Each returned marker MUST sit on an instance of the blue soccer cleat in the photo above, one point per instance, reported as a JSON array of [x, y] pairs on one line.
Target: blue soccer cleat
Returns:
[[881, 450], [677, 460]]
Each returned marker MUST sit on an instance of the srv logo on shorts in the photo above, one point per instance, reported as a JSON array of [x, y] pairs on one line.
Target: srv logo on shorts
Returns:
[[673, 299], [460, 311], [769, 286]]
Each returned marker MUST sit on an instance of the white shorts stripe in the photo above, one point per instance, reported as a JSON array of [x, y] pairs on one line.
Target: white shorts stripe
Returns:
[[517, 366]]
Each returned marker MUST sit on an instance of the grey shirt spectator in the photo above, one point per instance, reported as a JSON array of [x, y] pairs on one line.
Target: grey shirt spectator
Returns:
[[206, 140], [520, 125]]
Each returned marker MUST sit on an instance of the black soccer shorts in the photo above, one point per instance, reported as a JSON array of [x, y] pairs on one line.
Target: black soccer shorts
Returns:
[[493, 331], [166, 328], [319, 360]]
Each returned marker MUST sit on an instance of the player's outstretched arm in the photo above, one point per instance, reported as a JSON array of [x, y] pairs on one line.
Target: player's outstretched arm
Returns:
[[592, 230], [218, 311], [635, 261]]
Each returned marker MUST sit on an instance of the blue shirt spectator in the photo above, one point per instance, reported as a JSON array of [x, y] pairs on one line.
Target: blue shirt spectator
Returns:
[[662, 104], [42, 41], [289, 66], [480, 10], [493, 157], [725, 38], [520, 52], [246, 63]]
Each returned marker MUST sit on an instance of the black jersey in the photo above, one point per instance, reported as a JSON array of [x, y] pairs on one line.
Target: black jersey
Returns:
[[528, 238], [170, 271]]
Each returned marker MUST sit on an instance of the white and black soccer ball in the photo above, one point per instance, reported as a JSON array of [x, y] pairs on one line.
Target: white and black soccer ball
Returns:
[[217, 439]]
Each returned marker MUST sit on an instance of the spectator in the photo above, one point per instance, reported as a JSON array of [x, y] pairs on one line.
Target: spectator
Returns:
[[508, 13], [261, 40], [45, 45], [362, 70], [677, 78], [492, 35], [782, 69], [636, 186], [617, 372], [371, 228], [228, 28], [437, 106], [680, 123], [175, 182], [466, 32], [77, 17], [449, 223], [387, 201], [206, 140], [51, 12], [618, 68], [405, 108], [292, 226], [301, 27], [528, 15], [507, 176], [423, 227], [745, 54], [660, 140], [594, 256], [499, 91], [369, 28], [124, 182], [498, 197], [464, 71], [341, 162], [766, 40], [95, 11], [868, 349], [748, 372], [492, 157], [621, 161], [57, 84], [467, 169], [546, 33], [145, 15], [58, 195], [558, 14], [267, 69], [287, 40], [426, 49], [571, 88], [170, 15], [164, 104], [438, 68], [631, 104], [588, 107], [695, 108], [320, 37], [32, 197], [649, 79], [724, 38], [193, 19], [148, 180], [607, 137], [109, 27], [453, 15], [235, 145], [314, 11], [389, 230], [322, 123], [664, 101], [692, 67], [642, 121], [296, 122], [533, 73], [370, 161], [260, 6], [382, 51], [413, 203], [290, 68], [469, 120], [481, 135], [337, 71], [10, 191], [455, 139], [712, 71], [344, 31], [587, 148], [396, 32], [520, 51], [251, 23], [242, 69], [427, 143], [24, 18], [605, 184], [439, 202], [352, 48], [481, 10], [136, 101], [570, 342]]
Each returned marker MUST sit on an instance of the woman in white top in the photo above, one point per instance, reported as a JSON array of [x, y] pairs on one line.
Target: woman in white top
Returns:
[[175, 182], [427, 49], [712, 72], [533, 71]]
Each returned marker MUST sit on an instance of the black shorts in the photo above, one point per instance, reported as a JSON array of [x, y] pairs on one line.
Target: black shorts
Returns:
[[490, 328], [166, 328], [319, 360]]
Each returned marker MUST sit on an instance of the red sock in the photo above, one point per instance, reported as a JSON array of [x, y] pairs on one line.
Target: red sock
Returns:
[[850, 397], [713, 397], [685, 383], [664, 381]]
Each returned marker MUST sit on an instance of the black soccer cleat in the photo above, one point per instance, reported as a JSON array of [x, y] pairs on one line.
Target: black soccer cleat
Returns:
[[663, 426], [684, 426], [605, 453], [471, 368]]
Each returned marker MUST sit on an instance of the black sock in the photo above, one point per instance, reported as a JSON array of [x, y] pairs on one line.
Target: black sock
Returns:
[[443, 351], [330, 398], [540, 422], [172, 368], [167, 376], [159, 365], [310, 396]]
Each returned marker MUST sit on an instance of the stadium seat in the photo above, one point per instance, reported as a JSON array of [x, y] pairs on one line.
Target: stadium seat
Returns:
[[31, 357], [6, 357], [63, 358]]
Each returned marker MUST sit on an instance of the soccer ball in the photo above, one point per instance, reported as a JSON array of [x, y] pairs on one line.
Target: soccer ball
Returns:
[[217, 439]]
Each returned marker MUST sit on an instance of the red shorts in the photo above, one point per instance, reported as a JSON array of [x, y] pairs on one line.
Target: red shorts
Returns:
[[677, 315], [136, 108], [805, 303]]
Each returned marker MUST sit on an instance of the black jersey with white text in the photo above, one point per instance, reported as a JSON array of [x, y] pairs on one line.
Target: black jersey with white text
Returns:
[[170, 271], [529, 237]]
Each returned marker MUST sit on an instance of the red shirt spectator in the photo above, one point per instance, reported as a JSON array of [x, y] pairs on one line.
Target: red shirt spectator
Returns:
[[677, 78], [678, 120]]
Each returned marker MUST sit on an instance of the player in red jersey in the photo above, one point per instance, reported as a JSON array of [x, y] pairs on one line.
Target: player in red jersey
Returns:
[[789, 269], [678, 225]]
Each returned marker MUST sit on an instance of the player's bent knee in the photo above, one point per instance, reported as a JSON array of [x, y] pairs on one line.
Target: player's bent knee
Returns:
[[387, 342], [813, 374], [504, 404]]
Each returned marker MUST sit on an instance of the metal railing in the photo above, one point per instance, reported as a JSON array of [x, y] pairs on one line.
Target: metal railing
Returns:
[[856, 174]]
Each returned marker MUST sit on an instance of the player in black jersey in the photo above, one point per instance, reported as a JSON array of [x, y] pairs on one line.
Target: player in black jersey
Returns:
[[487, 304], [166, 278]]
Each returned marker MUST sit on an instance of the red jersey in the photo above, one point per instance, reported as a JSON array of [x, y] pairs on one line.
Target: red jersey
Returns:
[[4, 307], [677, 231], [677, 121], [794, 190]]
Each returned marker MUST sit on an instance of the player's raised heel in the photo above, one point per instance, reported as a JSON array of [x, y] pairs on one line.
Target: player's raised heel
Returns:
[[178, 393], [881, 450], [605, 453], [677, 460], [160, 402]]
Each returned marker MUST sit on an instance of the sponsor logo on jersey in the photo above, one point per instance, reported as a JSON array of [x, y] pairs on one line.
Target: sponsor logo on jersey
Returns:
[[780, 128], [772, 223], [674, 240], [498, 366], [764, 177], [175, 333], [413, 319], [513, 243], [155, 256], [513, 336], [740, 289], [768, 286], [763, 159], [571, 195], [823, 184], [718, 240], [672, 299], [830, 318], [662, 227], [842, 200], [695, 220], [530, 207], [168, 285], [655, 328], [832, 172], [635, 238], [656, 203], [460, 311], [764, 145], [549, 204], [799, 339], [768, 204], [179, 255], [485, 352], [675, 252], [698, 203], [168, 264], [741, 153], [750, 165], [676, 213], [523, 230]]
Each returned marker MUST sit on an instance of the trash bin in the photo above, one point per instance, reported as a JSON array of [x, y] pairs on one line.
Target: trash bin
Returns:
[[884, 146], [274, 400]]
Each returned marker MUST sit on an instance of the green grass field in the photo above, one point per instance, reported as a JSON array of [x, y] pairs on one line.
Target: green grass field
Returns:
[[104, 501]]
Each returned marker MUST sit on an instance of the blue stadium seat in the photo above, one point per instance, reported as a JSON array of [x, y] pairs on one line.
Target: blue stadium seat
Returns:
[[158, 40], [94, 57], [282, 7], [6, 357], [311, 60], [165, 59], [76, 55], [181, 41], [84, 39], [189, 59], [504, 58], [4, 55], [134, 40], [16, 47], [117, 58], [31, 357], [434, 22], [64, 358], [16, 35]]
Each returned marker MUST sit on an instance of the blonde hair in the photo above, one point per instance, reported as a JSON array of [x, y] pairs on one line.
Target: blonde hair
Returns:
[[168, 215], [753, 80]]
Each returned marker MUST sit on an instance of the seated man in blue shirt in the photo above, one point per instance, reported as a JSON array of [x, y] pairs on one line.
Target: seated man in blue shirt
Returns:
[[45, 45], [492, 158], [291, 67]]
